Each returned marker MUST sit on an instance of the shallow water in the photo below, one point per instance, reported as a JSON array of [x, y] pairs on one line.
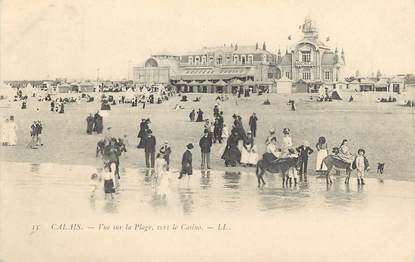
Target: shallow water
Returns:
[[50, 193]]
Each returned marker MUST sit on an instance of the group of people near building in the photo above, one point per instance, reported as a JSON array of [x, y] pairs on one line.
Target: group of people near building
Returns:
[[9, 132], [57, 105]]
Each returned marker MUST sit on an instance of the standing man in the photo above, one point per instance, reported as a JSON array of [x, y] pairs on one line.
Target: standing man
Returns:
[[304, 151], [187, 162], [89, 124], [252, 123], [205, 144], [150, 149]]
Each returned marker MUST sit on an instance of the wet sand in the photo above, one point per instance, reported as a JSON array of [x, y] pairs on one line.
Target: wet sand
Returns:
[[310, 222], [383, 130]]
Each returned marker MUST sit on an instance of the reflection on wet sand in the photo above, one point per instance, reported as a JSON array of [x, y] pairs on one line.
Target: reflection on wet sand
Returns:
[[204, 192]]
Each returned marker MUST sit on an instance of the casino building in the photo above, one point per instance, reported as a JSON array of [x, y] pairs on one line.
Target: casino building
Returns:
[[306, 66]]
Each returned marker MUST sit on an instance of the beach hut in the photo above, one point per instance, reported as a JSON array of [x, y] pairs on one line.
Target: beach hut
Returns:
[[397, 84], [180, 86], [86, 87], [354, 85], [367, 85], [284, 86], [221, 87], [193, 86], [64, 88], [235, 84], [206, 87], [382, 85]]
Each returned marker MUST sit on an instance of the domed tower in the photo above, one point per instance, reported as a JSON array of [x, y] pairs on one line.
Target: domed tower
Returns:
[[309, 28]]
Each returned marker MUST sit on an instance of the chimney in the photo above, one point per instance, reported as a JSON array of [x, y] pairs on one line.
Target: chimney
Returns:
[[264, 46]]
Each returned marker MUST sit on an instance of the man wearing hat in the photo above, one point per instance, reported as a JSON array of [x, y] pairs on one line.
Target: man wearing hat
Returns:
[[150, 149], [252, 124], [205, 144], [187, 162], [304, 151]]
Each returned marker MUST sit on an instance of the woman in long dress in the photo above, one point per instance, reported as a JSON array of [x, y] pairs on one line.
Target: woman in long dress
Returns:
[[249, 155], [232, 155], [321, 154], [162, 176], [12, 132], [4, 135], [287, 142], [344, 152]]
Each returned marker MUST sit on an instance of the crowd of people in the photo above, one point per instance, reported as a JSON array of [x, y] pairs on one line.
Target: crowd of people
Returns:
[[239, 146]]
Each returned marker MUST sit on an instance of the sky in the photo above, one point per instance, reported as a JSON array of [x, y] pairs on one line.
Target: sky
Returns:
[[44, 39]]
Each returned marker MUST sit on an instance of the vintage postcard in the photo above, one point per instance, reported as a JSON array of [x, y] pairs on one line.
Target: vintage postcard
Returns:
[[181, 130]]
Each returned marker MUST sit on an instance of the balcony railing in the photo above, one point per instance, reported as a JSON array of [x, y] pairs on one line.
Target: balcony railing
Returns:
[[304, 64]]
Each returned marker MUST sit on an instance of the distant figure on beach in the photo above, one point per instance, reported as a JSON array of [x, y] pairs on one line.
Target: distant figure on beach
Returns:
[[292, 104], [199, 116], [62, 108], [252, 124], [192, 115], [98, 123], [89, 124], [5, 133], [150, 149]]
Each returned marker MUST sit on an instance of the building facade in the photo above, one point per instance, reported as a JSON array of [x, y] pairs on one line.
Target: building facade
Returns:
[[309, 64]]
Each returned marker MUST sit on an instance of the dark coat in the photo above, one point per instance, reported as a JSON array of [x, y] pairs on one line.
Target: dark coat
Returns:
[[252, 122], [232, 153], [150, 144], [143, 129], [187, 162], [304, 151], [205, 144]]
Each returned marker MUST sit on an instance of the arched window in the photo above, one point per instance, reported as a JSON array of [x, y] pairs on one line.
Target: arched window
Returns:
[[219, 60], [250, 59], [203, 60], [197, 60], [235, 59], [243, 59], [190, 60]]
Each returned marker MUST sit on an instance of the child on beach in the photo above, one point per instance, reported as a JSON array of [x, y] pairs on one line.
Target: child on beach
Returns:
[[362, 165], [94, 184], [109, 179], [292, 172]]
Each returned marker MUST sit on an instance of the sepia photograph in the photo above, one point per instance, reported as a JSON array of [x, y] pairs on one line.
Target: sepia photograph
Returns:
[[191, 130]]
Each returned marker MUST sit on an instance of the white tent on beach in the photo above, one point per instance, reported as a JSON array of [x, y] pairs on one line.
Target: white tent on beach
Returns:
[[6, 91]]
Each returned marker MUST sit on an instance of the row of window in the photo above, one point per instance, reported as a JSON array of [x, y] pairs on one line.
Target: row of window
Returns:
[[237, 59], [306, 75]]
